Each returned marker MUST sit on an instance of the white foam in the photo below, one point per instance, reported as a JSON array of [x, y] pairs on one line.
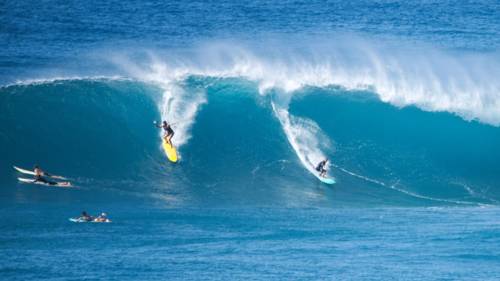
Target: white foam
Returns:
[[304, 136], [56, 79], [177, 106], [462, 83], [402, 74]]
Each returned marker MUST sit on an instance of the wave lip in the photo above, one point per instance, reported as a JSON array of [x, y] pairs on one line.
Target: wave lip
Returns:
[[462, 83]]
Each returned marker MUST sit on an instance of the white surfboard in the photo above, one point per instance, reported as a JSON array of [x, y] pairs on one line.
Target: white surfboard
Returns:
[[32, 181], [93, 221], [26, 180], [28, 172]]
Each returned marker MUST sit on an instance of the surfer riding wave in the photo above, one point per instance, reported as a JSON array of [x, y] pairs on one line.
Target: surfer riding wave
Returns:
[[168, 131], [321, 168]]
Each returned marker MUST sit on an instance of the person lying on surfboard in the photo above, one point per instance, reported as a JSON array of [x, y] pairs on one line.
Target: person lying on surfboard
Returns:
[[40, 174], [168, 132], [321, 168], [85, 217], [40, 177], [102, 218]]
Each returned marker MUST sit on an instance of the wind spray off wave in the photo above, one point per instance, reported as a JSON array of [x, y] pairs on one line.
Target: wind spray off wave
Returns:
[[459, 82]]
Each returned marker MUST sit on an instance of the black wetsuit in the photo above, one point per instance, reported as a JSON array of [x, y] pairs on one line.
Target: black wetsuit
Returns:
[[321, 166], [169, 130], [41, 179]]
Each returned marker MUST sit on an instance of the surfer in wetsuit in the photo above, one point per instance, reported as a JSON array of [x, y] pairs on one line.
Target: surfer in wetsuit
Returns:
[[85, 217], [39, 176], [102, 218], [168, 132], [321, 168]]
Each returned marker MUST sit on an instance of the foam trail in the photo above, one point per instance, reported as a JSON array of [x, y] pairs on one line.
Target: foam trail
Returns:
[[409, 193], [179, 107], [303, 135], [475, 194]]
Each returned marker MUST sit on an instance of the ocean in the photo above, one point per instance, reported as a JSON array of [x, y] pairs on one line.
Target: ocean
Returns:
[[402, 97]]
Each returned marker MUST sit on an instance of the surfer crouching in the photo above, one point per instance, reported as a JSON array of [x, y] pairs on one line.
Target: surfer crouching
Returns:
[[321, 168]]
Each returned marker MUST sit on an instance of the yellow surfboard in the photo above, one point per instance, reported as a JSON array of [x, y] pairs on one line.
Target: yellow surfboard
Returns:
[[169, 151]]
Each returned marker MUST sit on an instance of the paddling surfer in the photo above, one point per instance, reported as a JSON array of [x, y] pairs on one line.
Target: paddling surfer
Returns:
[[85, 217], [40, 174]]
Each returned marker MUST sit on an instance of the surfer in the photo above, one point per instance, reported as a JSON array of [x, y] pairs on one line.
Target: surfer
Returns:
[[85, 217], [321, 168], [168, 132], [102, 218], [39, 176]]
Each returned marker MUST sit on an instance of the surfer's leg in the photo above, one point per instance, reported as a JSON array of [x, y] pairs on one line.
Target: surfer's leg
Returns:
[[43, 180], [40, 179], [168, 138], [50, 182]]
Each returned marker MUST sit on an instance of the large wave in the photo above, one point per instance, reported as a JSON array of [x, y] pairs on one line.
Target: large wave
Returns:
[[245, 149], [251, 123]]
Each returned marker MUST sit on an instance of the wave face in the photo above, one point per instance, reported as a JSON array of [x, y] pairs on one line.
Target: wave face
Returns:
[[239, 145]]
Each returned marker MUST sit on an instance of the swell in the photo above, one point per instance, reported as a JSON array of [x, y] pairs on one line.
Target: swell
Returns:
[[238, 146]]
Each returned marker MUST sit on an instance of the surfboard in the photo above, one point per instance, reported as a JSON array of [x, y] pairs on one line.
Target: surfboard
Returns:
[[32, 181], [327, 180], [23, 171], [169, 151], [28, 172], [82, 220]]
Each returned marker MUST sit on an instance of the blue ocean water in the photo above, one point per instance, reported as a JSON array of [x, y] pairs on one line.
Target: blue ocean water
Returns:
[[403, 98]]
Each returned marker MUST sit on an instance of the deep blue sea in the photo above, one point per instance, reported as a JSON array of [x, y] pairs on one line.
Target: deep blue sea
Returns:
[[403, 97]]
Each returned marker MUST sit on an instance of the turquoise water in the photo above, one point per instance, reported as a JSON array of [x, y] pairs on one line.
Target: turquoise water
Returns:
[[402, 97], [239, 151]]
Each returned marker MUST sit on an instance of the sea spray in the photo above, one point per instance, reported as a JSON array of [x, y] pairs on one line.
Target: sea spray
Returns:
[[304, 136]]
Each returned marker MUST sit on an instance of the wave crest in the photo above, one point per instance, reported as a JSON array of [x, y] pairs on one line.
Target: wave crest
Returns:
[[401, 74]]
